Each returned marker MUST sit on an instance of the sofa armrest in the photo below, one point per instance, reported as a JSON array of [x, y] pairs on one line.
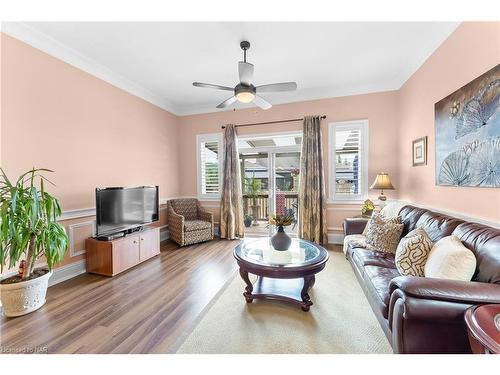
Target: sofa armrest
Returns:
[[467, 292], [354, 225]]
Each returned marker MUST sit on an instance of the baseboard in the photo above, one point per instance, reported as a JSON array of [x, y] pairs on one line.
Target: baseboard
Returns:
[[67, 272], [164, 235]]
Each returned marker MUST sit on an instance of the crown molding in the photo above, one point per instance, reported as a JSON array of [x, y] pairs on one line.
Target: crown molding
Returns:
[[52, 47]]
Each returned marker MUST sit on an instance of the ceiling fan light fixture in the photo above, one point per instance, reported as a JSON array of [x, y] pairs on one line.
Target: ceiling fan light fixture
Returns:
[[245, 96]]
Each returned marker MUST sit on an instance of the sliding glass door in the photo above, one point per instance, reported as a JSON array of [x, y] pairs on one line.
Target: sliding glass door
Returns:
[[270, 179]]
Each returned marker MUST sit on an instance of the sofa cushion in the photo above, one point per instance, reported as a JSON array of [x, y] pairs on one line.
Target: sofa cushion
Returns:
[[409, 217], [377, 284], [364, 257], [450, 260], [192, 225], [484, 242], [437, 226]]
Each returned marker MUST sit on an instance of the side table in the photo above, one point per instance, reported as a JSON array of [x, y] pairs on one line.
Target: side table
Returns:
[[483, 328]]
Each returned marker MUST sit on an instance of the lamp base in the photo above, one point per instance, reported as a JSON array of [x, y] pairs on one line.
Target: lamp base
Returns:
[[382, 197]]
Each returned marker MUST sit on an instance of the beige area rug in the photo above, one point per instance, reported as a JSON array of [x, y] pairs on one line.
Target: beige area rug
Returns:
[[340, 321]]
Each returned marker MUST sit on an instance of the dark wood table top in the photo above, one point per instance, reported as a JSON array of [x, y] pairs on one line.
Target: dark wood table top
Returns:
[[483, 322]]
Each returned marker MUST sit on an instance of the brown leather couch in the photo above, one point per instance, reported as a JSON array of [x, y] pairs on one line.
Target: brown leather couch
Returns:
[[426, 315]]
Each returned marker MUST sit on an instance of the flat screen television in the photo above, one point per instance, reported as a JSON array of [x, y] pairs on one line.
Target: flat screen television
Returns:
[[120, 209]]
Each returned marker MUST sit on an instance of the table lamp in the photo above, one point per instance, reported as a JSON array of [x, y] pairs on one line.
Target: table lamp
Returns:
[[382, 182]]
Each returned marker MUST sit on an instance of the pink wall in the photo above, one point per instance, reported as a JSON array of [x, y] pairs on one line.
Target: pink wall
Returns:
[[470, 51], [88, 131], [379, 109]]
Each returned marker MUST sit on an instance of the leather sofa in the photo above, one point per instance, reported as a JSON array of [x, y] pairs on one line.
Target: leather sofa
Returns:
[[426, 315]]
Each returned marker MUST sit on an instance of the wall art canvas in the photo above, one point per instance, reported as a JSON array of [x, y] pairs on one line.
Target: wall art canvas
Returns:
[[467, 124]]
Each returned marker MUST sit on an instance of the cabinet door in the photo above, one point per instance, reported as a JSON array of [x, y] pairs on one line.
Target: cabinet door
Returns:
[[125, 253], [149, 244]]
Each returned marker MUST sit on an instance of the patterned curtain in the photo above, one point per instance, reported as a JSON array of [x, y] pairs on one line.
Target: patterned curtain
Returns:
[[312, 202], [231, 209]]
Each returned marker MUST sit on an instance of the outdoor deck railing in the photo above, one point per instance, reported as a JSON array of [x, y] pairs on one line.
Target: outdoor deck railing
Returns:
[[262, 200]]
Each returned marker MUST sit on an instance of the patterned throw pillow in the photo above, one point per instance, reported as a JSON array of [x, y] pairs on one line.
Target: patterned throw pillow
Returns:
[[383, 234], [390, 219], [412, 253]]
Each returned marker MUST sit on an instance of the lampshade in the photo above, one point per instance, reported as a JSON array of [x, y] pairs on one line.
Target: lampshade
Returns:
[[382, 182]]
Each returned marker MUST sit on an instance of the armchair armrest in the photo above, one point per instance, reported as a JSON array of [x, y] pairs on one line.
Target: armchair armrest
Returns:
[[354, 225], [205, 215], [467, 292], [175, 225]]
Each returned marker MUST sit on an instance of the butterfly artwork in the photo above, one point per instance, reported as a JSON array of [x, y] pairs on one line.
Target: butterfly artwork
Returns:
[[467, 125]]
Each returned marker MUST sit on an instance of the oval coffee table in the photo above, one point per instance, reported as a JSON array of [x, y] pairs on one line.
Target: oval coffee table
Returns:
[[281, 275]]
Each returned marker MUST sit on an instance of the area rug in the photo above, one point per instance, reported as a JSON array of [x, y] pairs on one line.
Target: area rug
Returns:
[[340, 321]]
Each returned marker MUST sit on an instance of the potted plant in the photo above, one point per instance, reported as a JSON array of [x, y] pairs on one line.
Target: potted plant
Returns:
[[281, 240], [367, 208], [252, 190], [247, 221], [28, 231]]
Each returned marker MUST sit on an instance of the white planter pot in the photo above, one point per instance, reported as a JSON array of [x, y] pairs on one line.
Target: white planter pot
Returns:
[[24, 297]]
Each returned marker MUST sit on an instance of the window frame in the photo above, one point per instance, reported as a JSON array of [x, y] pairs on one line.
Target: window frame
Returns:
[[362, 126], [202, 138]]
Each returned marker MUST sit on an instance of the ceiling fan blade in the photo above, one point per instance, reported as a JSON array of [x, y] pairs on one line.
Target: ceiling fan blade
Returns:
[[210, 86], [246, 72], [227, 103], [277, 87], [262, 103]]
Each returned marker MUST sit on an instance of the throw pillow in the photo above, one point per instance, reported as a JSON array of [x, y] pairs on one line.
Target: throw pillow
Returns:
[[412, 253], [383, 235], [392, 219], [449, 259]]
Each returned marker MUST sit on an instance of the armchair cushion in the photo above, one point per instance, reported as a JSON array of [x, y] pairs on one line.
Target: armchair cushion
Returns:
[[447, 290], [192, 225], [187, 207]]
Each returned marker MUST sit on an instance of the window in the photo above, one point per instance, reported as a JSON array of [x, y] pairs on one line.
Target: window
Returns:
[[209, 151], [348, 145]]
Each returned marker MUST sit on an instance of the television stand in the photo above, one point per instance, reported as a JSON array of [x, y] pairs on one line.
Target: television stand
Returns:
[[109, 258]]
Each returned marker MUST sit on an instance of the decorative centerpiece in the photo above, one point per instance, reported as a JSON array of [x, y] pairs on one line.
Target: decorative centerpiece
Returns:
[[28, 231], [281, 241], [367, 208]]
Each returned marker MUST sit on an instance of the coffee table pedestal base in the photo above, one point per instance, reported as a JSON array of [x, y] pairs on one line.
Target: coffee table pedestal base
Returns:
[[289, 290]]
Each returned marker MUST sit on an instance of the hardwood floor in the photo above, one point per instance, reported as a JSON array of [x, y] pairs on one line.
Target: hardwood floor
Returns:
[[148, 309]]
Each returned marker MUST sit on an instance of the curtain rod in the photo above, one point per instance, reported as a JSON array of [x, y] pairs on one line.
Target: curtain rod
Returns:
[[272, 122]]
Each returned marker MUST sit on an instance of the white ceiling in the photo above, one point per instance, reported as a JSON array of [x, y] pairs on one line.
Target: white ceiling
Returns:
[[159, 60]]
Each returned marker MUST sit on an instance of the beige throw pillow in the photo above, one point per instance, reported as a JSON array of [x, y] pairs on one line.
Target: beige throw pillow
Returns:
[[412, 253], [383, 235], [391, 219], [449, 259]]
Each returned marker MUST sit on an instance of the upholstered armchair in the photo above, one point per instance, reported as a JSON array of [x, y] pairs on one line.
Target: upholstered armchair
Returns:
[[188, 223]]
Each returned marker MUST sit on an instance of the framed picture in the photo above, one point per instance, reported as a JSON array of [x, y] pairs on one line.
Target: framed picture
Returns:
[[420, 151]]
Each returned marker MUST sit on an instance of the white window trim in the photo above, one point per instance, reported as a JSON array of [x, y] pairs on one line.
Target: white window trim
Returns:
[[208, 138], [347, 125]]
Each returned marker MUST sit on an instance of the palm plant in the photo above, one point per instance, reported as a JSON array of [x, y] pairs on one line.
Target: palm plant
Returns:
[[252, 188], [28, 224]]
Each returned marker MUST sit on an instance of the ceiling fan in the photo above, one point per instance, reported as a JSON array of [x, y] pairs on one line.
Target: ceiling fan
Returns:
[[245, 91]]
